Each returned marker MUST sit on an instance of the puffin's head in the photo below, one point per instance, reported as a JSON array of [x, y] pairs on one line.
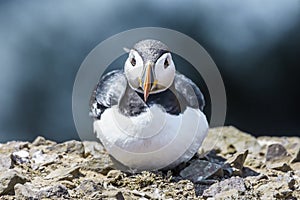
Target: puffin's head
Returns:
[[149, 67]]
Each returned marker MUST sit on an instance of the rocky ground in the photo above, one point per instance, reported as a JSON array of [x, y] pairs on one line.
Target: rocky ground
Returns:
[[238, 167]]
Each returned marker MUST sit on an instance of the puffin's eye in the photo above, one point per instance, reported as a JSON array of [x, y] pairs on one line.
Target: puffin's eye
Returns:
[[133, 62], [166, 63]]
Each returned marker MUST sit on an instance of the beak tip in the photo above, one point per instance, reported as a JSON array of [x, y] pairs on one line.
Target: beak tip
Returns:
[[145, 97]]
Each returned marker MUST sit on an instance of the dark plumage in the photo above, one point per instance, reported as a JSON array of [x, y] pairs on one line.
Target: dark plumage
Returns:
[[150, 49], [113, 89]]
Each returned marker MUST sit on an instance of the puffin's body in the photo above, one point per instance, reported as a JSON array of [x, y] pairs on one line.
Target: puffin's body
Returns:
[[154, 126]]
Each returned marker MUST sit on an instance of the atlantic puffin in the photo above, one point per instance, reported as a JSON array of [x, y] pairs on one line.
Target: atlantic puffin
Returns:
[[148, 116]]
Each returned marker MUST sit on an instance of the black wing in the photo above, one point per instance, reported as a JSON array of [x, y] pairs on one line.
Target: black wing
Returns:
[[107, 93], [189, 91]]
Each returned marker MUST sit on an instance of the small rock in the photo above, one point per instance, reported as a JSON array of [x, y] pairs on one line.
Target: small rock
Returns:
[[280, 187], [8, 179], [277, 158], [68, 184], [233, 184], [295, 166], [41, 159], [289, 179], [142, 195], [88, 187], [23, 145], [92, 148], [229, 140], [212, 157], [25, 191], [200, 170], [20, 157], [228, 194], [276, 151], [280, 165], [256, 180], [274, 189], [72, 146], [101, 165], [115, 174], [296, 158], [238, 160], [42, 141], [64, 173], [54, 192], [5, 162], [254, 161], [29, 191], [235, 164], [13, 146], [115, 194]]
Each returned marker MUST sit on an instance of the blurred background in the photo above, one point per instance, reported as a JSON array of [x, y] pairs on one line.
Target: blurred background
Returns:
[[255, 44]]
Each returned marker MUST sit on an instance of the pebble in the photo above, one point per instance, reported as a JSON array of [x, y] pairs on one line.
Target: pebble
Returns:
[[69, 147], [64, 173], [42, 141], [296, 158], [92, 148], [232, 185], [40, 159], [275, 151], [87, 187], [200, 170], [20, 157], [29, 191], [5, 162], [278, 158], [8, 179]]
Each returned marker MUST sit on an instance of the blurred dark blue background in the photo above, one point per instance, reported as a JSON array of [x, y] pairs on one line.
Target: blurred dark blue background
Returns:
[[255, 44]]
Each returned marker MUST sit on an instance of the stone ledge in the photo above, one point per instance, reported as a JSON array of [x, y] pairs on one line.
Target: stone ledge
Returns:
[[239, 166]]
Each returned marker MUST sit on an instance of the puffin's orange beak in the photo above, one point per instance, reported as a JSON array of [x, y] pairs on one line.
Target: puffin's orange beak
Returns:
[[147, 81]]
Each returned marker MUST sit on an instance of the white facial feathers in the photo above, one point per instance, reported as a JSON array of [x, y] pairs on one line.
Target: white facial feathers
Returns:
[[163, 71], [134, 68]]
